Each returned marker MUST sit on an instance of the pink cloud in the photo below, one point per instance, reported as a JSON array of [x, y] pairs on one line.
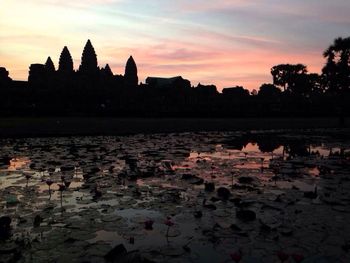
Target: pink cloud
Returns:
[[207, 5], [249, 68]]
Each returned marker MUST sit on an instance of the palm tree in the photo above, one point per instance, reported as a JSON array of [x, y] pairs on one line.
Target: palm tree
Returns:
[[284, 75], [336, 72]]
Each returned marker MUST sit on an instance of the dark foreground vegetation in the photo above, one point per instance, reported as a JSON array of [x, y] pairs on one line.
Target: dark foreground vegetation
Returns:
[[94, 91]]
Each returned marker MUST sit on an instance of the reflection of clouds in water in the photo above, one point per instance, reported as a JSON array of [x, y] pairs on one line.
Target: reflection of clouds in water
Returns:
[[18, 163], [251, 150], [185, 152], [159, 163], [251, 147]]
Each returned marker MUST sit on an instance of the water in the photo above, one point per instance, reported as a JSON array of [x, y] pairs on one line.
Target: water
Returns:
[[119, 183]]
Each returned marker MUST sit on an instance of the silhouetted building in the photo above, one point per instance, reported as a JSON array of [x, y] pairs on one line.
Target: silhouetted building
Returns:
[[88, 60], [107, 71], [4, 77], [4, 74], [92, 91], [175, 82], [37, 75], [130, 77], [65, 64], [235, 92], [206, 90], [19, 85]]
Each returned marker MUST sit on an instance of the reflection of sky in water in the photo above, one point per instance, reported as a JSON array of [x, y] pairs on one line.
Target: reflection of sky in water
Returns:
[[18, 163], [251, 150], [216, 162], [165, 159]]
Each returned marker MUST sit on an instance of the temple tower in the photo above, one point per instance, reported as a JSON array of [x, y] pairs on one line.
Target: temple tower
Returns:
[[88, 59], [130, 77], [49, 66], [65, 64]]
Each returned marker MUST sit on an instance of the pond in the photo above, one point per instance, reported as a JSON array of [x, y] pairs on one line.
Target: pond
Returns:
[[263, 196]]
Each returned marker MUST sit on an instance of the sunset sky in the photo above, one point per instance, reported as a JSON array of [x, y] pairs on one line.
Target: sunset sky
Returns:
[[223, 42]]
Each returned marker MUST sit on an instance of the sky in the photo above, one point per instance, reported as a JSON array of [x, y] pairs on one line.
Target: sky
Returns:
[[221, 42]]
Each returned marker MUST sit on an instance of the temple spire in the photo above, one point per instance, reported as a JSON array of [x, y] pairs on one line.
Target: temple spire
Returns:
[[66, 62], [130, 77], [49, 66], [108, 70], [88, 59]]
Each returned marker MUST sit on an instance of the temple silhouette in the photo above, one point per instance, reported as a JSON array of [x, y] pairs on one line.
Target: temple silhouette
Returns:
[[94, 91]]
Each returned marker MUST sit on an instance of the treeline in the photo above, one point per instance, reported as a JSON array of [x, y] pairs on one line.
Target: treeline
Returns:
[[94, 91]]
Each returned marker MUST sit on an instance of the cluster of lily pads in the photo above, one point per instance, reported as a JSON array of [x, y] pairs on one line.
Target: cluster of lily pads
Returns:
[[259, 204]]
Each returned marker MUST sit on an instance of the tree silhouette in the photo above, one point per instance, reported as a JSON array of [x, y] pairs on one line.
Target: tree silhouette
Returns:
[[49, 66], [315, 82], [88, 59], [337, 69], [131, 78], [285, 75], [65, 64], [305, 84], [269, 90]]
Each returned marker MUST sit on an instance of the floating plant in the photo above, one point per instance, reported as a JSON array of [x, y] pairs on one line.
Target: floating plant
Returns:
[[236, 256], [168, 222], [61, 188], [27, 176], [149, 224], [49, 182]]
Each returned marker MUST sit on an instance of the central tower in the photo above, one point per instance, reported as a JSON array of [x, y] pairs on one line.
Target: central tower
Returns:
[[130, 76], [88, 59]]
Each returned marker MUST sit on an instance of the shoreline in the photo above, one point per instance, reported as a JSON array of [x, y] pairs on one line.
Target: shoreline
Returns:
[[78, 126]]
